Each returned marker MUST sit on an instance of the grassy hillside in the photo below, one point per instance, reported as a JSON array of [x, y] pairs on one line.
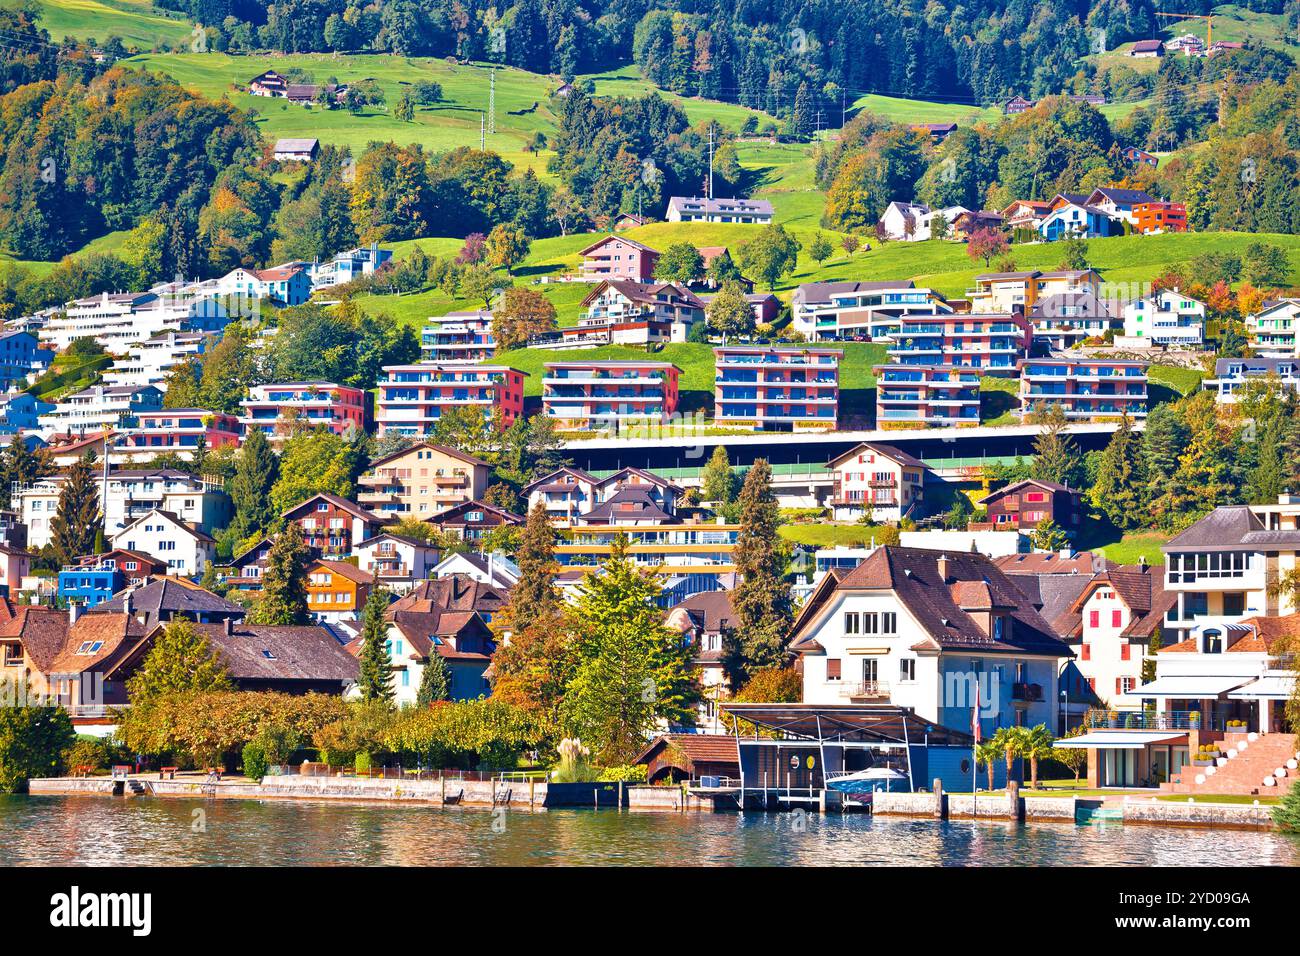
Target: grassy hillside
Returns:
[[137, 23], [902, 110]]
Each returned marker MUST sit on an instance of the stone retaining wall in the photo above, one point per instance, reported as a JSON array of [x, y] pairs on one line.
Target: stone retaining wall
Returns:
[[1219, 816]]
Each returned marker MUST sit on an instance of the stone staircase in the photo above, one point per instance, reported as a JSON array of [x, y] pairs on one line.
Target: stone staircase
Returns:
[[1256, 758]]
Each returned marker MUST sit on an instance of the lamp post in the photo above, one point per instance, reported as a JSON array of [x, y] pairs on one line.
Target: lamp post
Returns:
[[1065, 714]]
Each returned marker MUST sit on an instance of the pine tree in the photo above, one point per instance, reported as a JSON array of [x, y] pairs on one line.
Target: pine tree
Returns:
[[181, 659], [1163, 441], [533, 596], [1149, 662], [1056, 457], [1117, 489], [1049, 536], [762, 600], [20, 465], [376, 680], [78, 523], [250, 488], [634, 672], [1287, 813], [717, 480], [435, 680], [284, 583]]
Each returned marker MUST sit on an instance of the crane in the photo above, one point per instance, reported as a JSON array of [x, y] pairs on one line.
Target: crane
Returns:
[[1209, 23]]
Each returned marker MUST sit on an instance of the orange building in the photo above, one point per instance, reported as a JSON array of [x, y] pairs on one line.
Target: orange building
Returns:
[[1160, 217], [337, 591]]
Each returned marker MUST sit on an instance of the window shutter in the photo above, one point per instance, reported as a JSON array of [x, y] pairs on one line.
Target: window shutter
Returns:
[[833, 669], [1087, 652]]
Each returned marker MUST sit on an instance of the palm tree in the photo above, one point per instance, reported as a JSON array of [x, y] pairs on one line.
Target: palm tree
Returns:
[[1037, 746], [1010, 742], [986, 755]]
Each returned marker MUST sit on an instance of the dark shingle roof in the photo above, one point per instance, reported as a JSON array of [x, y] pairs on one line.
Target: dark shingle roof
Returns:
[[277, 653], [165, 597]]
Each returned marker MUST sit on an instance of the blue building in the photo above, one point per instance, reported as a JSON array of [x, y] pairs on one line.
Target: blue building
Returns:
[[19, 412], [91, 585], [20, 355]]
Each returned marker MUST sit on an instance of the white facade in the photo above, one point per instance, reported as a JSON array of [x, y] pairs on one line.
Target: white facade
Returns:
[[99, 408], [830, 311], [902, 221], [1166, 318], [131, 495], [1110, 662], [163, 536], [150, 362], [400, 563], [117, 321], [1273, 328]]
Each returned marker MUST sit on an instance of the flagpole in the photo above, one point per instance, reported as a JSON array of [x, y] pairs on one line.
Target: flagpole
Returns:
[[974, 756]]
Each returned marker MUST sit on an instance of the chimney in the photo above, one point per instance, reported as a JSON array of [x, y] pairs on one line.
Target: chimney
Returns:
[[228, 625], [126, 602], [74, 612], [1142, 561], [941, 565]]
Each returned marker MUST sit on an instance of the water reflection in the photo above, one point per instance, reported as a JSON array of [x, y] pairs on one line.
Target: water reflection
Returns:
[[99, 832]]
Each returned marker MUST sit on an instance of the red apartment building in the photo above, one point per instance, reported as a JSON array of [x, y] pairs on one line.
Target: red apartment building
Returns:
[[591, 395], [1086, 388], [411, 399], [275, 409], [777, 388], [180, 430]]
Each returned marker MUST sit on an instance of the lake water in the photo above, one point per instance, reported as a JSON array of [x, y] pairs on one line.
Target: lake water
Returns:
[[96, 831]]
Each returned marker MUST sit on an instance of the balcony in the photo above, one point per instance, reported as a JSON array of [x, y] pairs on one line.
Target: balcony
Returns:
[[864, 690], [1026, 693]]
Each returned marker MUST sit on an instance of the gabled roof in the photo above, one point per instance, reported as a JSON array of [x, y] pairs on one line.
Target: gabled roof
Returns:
[[117, 634], [1117, 195], [254, 652], [339, 502], [429, 446], [644, 292], [620, 238], [896, 455], [1141, 588], [165, 597], [441, 631], [1051, 486], [175, 520], [42, 631], [941, 590], [455, 592], [629, 502], [1052, 562], [344, 569], [549, 479], [696, 748], [712, 610], [455, 511], [647, 476], [1229, 528], [401, 538]]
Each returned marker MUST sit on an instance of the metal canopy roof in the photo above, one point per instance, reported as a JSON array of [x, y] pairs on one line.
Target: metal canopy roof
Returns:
[[1190, 686], [842, 723], [1117, 740], [1268, 687]]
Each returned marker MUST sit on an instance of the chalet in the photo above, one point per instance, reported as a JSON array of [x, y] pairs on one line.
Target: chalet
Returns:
[[968, 221], [1147, 49], [1023, 504], [936, 131], [1024, 214], [565, 493], [471, 520], [458, 592], [704, 620], [1017, 105], [295, 150], [628, 220], [333, 525], [461, 639], [695, 209], [622, 312], [1087, 99], [337, 590], [876, 481], [269, 83], [1136, 156]]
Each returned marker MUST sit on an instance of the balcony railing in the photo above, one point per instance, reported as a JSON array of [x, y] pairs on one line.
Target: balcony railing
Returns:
[[1150, 720]]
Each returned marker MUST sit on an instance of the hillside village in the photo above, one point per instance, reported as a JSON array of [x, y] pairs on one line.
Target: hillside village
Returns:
[[425, 459]]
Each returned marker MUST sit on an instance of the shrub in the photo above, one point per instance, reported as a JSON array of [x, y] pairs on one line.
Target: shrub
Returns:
[[91, 753], [255, 764], [625, 773], [32, 744], [362, 762]]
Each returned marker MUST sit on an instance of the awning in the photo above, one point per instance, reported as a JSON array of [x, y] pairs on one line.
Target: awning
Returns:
[[1268, 687], [1189, 686], [1117, 740]]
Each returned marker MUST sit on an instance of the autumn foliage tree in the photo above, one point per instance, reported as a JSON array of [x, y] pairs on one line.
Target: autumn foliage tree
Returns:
[[987, 244], [521, 315]]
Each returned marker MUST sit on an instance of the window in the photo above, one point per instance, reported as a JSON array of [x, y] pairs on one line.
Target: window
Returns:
[[833, 668], [907, 669], [1125, 651], [1115, 618], [852, 622], [1094, 620], [268, 655], [1125, 685]]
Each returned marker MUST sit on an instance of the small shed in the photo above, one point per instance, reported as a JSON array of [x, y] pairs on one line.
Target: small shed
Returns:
[[675, 757]]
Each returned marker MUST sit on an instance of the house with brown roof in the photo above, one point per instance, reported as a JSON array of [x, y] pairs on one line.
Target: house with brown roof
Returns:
[[163, 599], [472, 519], [30, 640], [925, 629], [398, 561], [460, 638], [876, 480], [454, 592], [565, 494], [618, 257], [333, 525], [1021, 505], [337, 590], [675, 757]]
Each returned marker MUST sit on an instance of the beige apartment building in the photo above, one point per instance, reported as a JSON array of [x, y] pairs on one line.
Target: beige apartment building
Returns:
[[421, 481]]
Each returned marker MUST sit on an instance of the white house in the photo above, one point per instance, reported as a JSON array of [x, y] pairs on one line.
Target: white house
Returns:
[[398, 561], [925, 629], [902, 220], [288, 284], [493, 569], [295, 150], [1167, 317], [150, 362], [832, 311], [880, 480], [694, 209], [1272, 329], [186, 549], [349, 265], [1232, 374]]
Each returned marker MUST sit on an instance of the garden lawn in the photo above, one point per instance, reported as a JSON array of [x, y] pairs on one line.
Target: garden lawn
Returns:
[[827, 535]]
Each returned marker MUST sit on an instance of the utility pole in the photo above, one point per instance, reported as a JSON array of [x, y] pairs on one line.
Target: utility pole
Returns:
[[710, 190], [492, 101], [482, 143], [817, 133], [843, 111]]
